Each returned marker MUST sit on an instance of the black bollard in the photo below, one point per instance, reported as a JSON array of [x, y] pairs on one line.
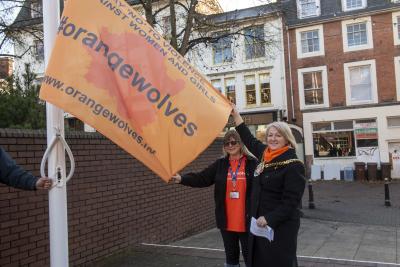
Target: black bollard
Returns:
[[311, 204], [387, 195]]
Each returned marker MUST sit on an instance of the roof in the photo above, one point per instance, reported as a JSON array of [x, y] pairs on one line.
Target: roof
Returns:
[[24, 17], [247, 13], [332, 9]]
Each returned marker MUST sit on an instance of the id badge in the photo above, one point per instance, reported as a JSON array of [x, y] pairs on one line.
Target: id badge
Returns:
[[234, 195]]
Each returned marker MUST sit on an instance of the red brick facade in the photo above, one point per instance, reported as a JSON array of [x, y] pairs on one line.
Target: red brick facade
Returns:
[[114, 202], [383, 52]]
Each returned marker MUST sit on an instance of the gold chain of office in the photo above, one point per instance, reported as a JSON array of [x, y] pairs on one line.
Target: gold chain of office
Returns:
[[281, 163]]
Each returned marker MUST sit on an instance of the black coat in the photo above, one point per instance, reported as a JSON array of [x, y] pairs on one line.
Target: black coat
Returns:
[[13, 175], [276, 195], [216, 174]]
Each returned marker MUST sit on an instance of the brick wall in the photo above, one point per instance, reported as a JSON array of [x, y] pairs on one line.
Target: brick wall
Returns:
[[383, 52], [113, 202]]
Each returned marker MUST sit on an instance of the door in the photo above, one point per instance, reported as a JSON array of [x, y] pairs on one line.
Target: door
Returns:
[[394, 153]]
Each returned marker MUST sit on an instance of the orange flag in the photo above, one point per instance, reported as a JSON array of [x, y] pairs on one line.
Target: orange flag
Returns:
[[110, 69]]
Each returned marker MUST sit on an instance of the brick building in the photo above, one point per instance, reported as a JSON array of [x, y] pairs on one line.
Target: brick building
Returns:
[[343, 74]]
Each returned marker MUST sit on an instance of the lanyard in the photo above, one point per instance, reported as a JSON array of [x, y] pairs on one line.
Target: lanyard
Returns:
[[234, 175]]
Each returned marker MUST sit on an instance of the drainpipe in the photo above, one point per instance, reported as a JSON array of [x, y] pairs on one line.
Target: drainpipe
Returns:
[[290, 75]]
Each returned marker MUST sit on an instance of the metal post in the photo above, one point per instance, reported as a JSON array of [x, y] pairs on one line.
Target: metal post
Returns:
[[387, 195], [311, 204], [56, 164]]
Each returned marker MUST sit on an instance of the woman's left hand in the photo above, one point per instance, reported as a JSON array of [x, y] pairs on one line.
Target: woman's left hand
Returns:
[[262, 222]]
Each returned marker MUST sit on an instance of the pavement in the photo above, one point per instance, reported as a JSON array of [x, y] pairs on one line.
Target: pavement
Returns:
[[350, 226]]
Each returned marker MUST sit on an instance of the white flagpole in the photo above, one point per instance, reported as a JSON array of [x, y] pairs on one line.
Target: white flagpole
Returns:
[[55, 121]]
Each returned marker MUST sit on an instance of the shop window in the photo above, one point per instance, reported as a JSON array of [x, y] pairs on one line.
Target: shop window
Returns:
[[254, 42], [217, 85], [222, 49], [308, 8], [230, 89], [265, 89], [250, 90], [334, 139], [334, 144]]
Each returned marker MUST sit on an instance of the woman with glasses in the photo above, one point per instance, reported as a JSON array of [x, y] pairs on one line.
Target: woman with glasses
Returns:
[[277, 189], [232, 176]]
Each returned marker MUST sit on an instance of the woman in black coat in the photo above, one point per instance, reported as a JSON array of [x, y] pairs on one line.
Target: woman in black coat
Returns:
[[232, 176], [277, 189]]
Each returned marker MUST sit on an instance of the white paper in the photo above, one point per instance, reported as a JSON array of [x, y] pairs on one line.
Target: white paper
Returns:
[[266, 232]]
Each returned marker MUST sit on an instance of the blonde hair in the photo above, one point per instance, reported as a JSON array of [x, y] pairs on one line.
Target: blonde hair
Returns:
[[232, 134], [283, 129]]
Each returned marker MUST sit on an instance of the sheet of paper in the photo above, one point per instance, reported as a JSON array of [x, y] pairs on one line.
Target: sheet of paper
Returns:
[[266, 232]]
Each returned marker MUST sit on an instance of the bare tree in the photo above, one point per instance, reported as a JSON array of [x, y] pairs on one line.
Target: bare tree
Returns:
[[186, 23], [14, 30]]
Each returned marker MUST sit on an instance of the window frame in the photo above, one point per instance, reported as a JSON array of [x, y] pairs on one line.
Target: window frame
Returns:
[[370, 42], [345, 8], [321, 52], [36, 9], [397, 75], [223, 49], [396, 27], [325, 89], [392, 117], [226, 87], [299, 10], [331, 131], [268, 74], [374, 90], [254, 42]]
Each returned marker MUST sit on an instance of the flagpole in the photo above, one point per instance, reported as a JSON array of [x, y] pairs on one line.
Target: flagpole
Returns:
[[56, 165]]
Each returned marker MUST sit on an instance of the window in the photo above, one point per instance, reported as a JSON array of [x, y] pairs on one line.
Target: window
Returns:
[[393, 121], [250, 86], [36, 9], [349, 5], [310, 41], [166, 27], [313, 87], [222, 49], [265, 89], [397, 74], [360, 82], [357, 34], [39, 50], [334, 139], [308, 8], [396, 27], [217, 85], [254, 42], [230, 89]]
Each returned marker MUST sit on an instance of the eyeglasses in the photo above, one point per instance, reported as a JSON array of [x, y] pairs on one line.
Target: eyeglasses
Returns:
[[232, 143]]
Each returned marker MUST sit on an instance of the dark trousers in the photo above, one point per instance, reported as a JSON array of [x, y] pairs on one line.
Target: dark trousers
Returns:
[[231, 244]]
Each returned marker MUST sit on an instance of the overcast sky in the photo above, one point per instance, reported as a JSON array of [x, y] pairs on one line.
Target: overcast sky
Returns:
[[228, 5]]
